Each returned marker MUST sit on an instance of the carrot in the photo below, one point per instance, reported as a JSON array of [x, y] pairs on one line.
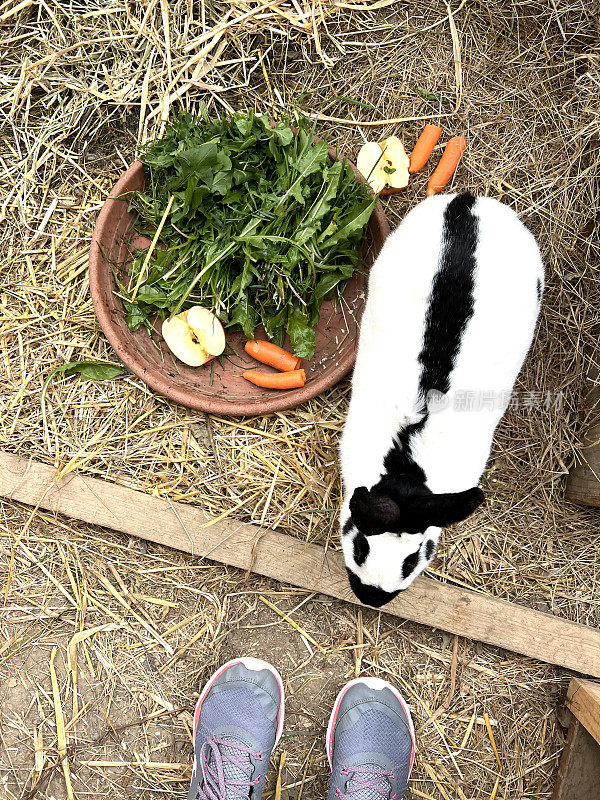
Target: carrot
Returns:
[[269, 353], [424, 147], [447, 165], [276, 380]]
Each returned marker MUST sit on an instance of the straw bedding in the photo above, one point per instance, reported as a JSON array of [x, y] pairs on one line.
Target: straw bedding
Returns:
[[81, 85]]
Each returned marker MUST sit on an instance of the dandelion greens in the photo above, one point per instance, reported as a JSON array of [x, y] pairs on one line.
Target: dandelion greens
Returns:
[[256, 223]]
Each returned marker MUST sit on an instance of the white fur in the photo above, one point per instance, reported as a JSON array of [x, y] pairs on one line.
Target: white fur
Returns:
[[454, 444]]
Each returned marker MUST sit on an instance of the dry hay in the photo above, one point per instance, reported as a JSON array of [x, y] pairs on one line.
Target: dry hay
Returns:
[[139, 629], [520, 79]]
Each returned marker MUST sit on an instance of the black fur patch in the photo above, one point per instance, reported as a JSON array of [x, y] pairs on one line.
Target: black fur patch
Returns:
[[538, 288], [448, 508], [373, 512], [348, 525], [429, 549], [399, 460], [409, 564], [451, 300], [367, 594], [361, 549]]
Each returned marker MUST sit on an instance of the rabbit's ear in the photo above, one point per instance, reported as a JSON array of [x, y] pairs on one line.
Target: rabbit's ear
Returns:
[[373, 513], [445, 509]]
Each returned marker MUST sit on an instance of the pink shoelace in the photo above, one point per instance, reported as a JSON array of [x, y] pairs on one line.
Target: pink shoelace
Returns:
[[368, 779], [226, 770]]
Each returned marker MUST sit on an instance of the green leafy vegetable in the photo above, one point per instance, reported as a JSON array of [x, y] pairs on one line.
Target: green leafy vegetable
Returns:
[[94, 370], [426, 94], [263, 226]]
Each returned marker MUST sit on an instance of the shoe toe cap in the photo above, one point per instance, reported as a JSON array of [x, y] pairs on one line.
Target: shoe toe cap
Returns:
[[249, 692]]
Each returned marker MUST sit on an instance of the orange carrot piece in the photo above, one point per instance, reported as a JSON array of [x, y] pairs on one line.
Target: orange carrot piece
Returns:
[[447, 166], [424, 147], [276, 380], [271, 354]]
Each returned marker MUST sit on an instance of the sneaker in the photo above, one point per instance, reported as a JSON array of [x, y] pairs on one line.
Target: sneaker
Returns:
[[238, 722], [370, 742]]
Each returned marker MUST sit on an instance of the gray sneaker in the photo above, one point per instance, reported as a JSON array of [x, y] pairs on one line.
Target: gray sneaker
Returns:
[[238, 722], [370, 742]]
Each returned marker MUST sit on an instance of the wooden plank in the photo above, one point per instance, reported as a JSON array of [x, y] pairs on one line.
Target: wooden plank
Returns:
[[583, 699], [583, 482], [291, 561], [579, 768]]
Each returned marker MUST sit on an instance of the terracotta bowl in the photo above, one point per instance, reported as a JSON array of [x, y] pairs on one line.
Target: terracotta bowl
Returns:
[[230, 393]]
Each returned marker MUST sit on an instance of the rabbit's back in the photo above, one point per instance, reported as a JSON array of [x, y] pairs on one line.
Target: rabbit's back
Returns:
[[451, 310]]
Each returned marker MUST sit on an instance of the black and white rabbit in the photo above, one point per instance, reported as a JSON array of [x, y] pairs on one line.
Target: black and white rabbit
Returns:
[[451, 311]]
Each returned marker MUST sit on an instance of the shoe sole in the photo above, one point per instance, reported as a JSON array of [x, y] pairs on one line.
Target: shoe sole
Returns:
[[256, 665], [372, 683]]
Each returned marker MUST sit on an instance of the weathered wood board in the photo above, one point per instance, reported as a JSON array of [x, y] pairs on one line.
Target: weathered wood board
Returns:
[[579, 768], [583, 483], [286, 559], [583, 699]]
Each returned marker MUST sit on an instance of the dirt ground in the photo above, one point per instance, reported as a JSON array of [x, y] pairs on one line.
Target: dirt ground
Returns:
[[81, 85], [127, 702]]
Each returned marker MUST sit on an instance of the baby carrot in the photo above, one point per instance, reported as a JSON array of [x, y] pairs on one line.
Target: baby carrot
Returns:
[[276, 380], [424, 147], [269, 353], [447, 166]]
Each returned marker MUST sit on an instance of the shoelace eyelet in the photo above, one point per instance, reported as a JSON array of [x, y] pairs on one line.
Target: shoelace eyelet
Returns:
[[212, 782], [361, 780]]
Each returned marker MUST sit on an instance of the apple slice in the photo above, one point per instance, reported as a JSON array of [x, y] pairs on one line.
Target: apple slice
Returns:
[[394, 158], [384, 165], [204, 323], [370, 165], [195, 336]]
